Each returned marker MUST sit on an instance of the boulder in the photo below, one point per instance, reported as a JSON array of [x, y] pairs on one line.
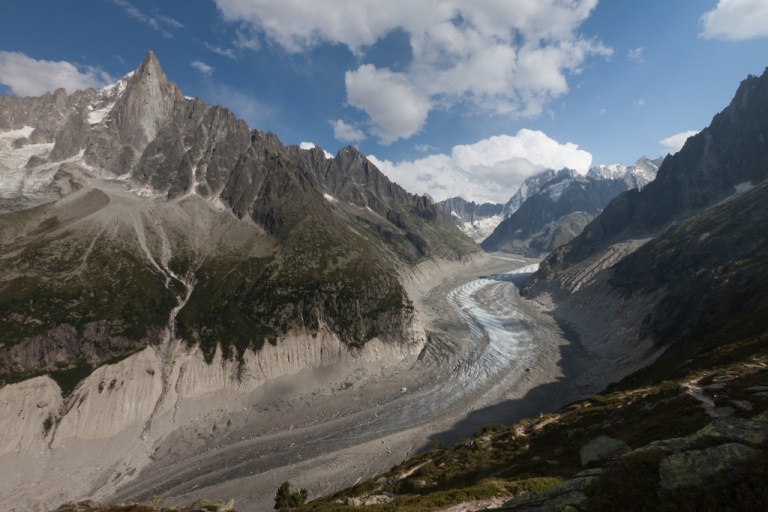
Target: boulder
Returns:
[[693, 467], [602, 449], [752, 431]]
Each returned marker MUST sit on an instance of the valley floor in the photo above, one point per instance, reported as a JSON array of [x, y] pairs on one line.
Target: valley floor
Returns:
[[491, 357]]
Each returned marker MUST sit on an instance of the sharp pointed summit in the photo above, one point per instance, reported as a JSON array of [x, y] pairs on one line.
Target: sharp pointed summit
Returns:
[[146, 105]]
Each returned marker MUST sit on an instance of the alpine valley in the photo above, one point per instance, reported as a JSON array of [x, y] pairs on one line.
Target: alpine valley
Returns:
[[191, 311]]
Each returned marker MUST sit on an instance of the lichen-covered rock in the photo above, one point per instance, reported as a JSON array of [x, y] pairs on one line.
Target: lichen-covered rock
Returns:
[[560, 497], [752, 431], [602, 448], [692, 467], [379, 499]]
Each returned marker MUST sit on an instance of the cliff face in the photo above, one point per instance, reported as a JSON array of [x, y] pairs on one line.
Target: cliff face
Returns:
[[312, 240], [730, 153]]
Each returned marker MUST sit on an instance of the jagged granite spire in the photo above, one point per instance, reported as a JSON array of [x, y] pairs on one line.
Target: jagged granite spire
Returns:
[[140, 112], [146, 105]]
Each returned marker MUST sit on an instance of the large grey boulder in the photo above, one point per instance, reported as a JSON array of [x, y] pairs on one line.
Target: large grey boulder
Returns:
[[693, 467], [753, 431], [602, 449]]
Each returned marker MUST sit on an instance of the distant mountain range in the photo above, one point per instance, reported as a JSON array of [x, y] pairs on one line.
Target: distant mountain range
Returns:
[[548, 209]]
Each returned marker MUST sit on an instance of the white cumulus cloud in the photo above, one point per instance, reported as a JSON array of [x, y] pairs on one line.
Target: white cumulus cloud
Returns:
[[310, 145], [736, 20], [26, 76], [674, 143], [202, 67], [498, 56], [490, 170], [397, 109], [346, 132]]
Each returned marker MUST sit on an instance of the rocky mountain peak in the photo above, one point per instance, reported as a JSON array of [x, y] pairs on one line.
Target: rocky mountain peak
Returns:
[[60, 98], [147, 103], [144, 102]]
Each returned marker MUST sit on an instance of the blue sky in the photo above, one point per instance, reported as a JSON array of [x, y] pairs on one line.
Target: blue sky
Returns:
[[448, 97]]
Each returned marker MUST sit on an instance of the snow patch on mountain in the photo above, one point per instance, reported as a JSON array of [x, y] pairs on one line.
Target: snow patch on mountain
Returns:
[[555, 190], [530, 187], [607, 172], [636, 175], [480, 229], [13, 173], [117, 88], [97, 116]]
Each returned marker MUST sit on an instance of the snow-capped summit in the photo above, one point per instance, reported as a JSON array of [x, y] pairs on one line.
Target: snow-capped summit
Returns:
[[636, 175], [607, 172], [642, 172], [531, 187]]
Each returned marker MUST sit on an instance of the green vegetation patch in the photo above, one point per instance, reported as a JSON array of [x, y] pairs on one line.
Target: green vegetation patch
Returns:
[[630, 484], [69, 378], [245, 303], [438, 500], [54, 289]]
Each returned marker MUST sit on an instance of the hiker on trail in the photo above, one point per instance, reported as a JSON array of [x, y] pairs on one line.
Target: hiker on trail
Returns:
[[715, 401]]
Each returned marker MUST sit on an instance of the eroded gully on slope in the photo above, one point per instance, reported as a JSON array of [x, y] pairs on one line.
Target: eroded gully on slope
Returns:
[[168, 345]]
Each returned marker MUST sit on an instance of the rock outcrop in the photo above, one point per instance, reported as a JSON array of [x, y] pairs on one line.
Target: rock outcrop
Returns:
[[476, 220], [602, 449]]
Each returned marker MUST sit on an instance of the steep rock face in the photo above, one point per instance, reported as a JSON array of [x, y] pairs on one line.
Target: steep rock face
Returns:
[[350, 178], [712, 267], [730, 153], [530, 187], [135, 120], [476, 220], [469, 211], [46, 114], [556, 212]]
